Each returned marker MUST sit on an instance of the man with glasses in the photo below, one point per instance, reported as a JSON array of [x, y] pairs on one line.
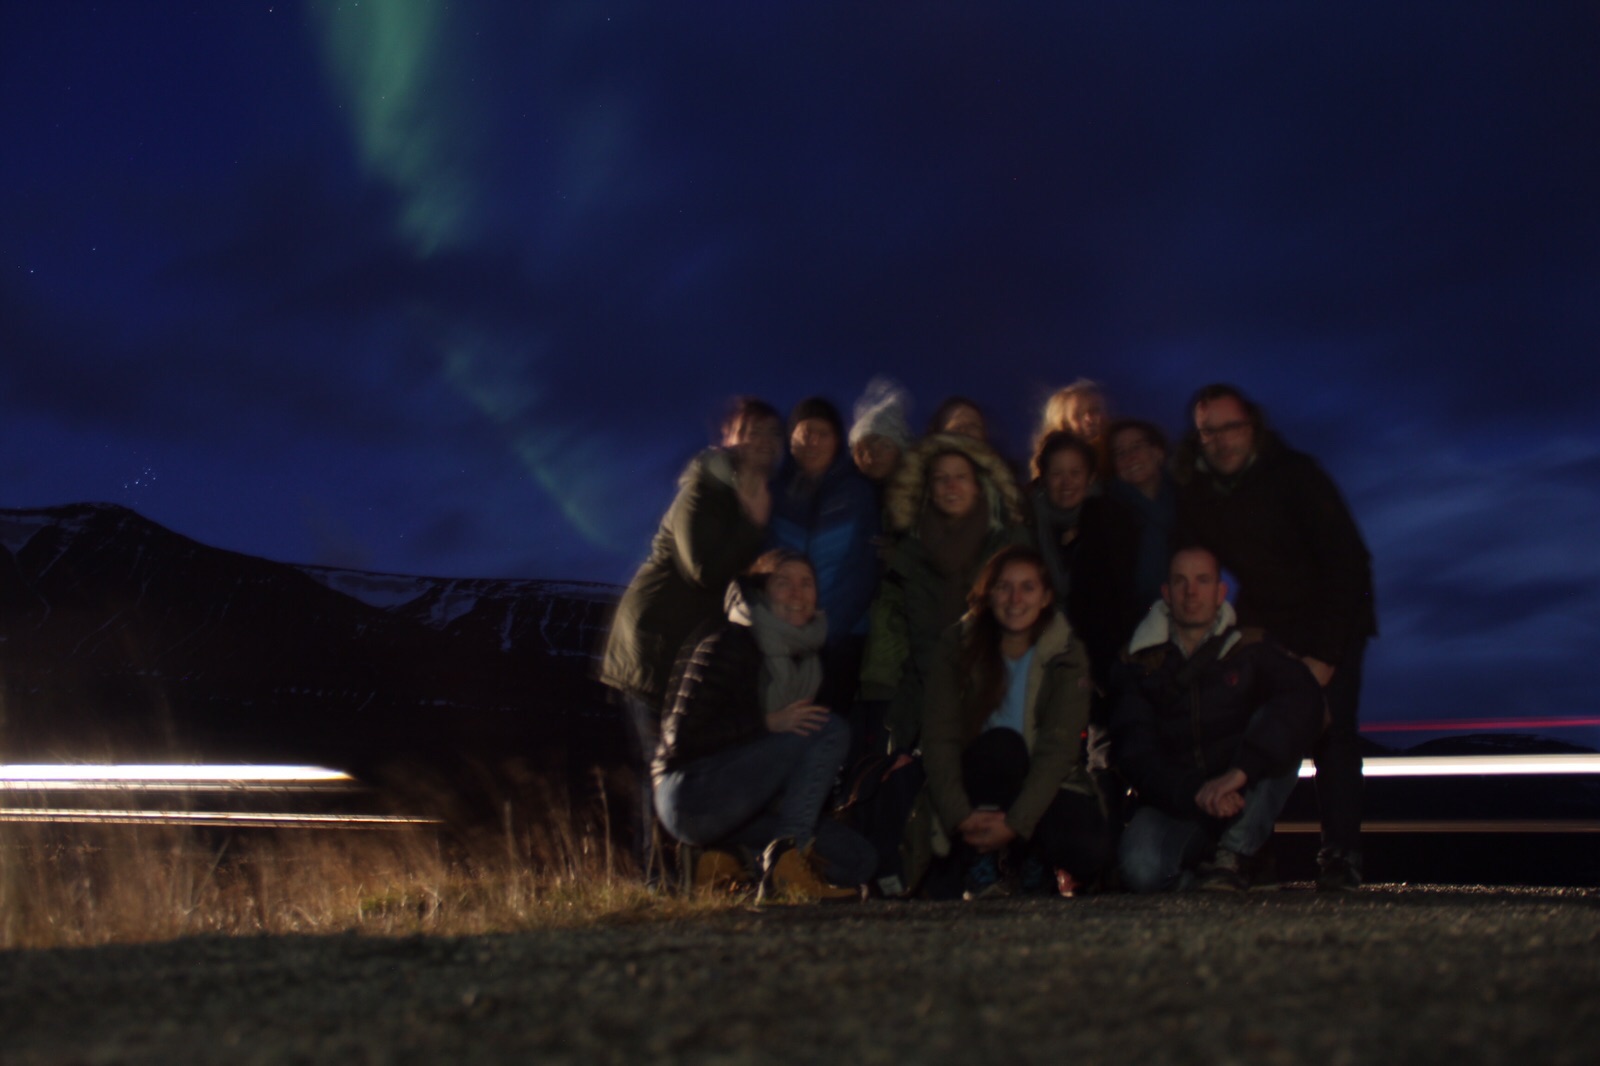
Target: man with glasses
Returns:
[[1279, 525]]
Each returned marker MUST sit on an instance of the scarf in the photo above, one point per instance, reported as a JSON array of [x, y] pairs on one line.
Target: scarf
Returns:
[[955, 549], [953, 543], [791, 669], [1056, 530]]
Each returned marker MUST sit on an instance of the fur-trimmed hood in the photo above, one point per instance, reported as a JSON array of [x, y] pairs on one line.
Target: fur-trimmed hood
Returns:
[[1156, 629], [908, 492]]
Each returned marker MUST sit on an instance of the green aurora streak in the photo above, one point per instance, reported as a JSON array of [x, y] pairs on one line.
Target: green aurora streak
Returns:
[[391, 63]]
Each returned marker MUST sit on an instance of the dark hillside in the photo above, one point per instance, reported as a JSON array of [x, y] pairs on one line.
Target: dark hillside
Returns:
[[121, 638]]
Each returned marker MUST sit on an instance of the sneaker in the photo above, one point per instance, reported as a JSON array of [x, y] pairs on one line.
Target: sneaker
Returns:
[[718, 871], [1066, 885], [1338, 871], [1223, 873], [790, 874], [985, 879]]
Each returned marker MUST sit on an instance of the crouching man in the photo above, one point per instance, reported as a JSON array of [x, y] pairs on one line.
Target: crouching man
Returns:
[[1210, 725]]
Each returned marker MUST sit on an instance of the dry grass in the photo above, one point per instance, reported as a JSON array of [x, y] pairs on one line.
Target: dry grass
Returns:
[[83, 885]]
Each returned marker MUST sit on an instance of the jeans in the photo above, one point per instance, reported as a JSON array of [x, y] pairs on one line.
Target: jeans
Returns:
[[1156, 846], [768, 789], [1338, 758], [1071, 834]]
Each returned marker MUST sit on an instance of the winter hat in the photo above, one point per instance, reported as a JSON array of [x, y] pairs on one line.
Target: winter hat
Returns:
[[881, 412], [816, 407]]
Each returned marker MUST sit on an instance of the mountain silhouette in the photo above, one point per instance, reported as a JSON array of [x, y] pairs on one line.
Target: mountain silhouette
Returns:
[[121, 639]]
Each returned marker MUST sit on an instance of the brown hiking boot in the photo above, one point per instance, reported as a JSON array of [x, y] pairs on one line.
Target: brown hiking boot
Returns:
[[791, 875], [718, 871]]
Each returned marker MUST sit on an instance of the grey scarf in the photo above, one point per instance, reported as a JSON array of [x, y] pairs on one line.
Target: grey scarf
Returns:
[[791, 669]]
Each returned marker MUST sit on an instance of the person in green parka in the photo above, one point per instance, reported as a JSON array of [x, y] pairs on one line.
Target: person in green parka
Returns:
[[952, 504], [1002, 740]]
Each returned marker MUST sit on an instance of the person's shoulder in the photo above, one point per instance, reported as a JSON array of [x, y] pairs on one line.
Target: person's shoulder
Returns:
[[1276, 455], [712, 465], [845, 483], [1253, 643], [1059, 643]]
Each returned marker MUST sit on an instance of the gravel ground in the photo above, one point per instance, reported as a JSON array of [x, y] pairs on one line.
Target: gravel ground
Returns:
[[1388, 975]]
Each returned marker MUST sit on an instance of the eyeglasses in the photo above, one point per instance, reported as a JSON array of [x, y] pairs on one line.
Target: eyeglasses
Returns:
[[1227, 429]]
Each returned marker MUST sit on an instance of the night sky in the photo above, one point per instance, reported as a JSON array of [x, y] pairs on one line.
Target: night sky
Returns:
[[455, 289]]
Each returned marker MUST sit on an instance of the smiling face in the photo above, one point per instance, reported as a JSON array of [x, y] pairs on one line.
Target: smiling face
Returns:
[[953, 485], [756, 442], [1066, 479], [1137, 460], [813, 444], [792, 593], [1019, 596]]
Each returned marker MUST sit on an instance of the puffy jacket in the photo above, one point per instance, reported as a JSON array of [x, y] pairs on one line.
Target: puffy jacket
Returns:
[[833, 523], [704, 540], [715, 701], [916, 603], [1237, 702]]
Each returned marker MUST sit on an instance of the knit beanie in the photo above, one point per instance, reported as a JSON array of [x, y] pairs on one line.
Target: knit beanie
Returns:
[[881, 412]]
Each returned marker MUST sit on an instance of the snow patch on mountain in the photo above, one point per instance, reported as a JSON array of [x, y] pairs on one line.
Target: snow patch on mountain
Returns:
[[384, 591], [17, 528]]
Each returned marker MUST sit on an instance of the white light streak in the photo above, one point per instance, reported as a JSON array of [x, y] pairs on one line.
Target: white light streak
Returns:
[[212, 818], [169, 776], [1526, 825], [1471, 766]]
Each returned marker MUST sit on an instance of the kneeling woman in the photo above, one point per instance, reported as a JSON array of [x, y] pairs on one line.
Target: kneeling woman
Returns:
[[747, 760], [1003, 737]]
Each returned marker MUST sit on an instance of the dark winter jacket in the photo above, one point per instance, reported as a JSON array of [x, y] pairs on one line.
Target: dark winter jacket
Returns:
[[715, 702], [832, 522], [1238, 703], [705, 539], [1156, 519], [1283, 530], [1097, 561], [916, 603]]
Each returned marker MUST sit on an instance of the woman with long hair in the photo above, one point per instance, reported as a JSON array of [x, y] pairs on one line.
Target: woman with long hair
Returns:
[[1002, 738], [1079, 409], [747, 756]]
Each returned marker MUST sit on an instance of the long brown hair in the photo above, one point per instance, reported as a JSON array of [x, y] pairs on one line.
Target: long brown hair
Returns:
[[983, 671]]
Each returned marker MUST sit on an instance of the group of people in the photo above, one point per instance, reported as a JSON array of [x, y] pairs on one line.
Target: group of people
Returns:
[[1051, 661]]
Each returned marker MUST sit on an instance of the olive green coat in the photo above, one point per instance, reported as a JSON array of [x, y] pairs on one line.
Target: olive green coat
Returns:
[[1055, 715], [915, 603], [704, 541]]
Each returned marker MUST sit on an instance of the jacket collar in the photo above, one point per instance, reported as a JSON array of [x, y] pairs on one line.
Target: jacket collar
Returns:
[[1156, 629]]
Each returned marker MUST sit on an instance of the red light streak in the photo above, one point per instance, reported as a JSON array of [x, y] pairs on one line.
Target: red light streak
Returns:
[[1456, 725]]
